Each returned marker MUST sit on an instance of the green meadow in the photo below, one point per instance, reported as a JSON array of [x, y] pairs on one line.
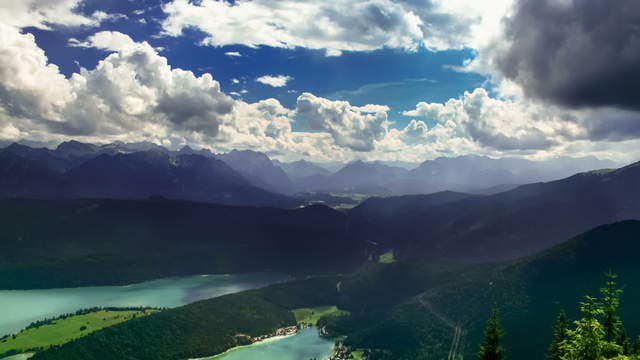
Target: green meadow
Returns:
[[63, 330]]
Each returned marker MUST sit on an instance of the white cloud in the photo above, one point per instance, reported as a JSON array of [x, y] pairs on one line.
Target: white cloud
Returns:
[[502, 124], [235, 81], [357, 128], [233, 54], [274, 80], [133, 89], [133, 94], [106, 40], [44, 13], [101, 16], [30, 88], [335, 26]]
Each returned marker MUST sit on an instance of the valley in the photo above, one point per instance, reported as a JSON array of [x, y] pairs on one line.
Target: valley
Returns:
[[319, 180], [388, 277]]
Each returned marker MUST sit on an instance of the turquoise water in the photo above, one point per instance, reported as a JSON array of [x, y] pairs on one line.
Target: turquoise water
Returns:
[[18, 308], [307, 344]]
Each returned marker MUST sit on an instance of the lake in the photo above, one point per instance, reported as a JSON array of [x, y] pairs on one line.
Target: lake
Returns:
[[19, 308], [305, 345]]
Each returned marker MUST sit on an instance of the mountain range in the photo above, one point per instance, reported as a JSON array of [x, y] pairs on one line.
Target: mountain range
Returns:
[[75, 170], [444, 226], [139, 170], [506, 225]]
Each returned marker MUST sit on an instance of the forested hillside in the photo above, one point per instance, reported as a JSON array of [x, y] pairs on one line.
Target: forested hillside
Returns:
[[93, 242]]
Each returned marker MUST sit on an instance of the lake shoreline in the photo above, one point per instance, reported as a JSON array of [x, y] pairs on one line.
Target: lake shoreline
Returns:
[[235, 348], [301, 332], [24, 307]]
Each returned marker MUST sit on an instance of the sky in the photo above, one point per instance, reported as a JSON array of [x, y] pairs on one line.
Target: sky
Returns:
[[407, 80]]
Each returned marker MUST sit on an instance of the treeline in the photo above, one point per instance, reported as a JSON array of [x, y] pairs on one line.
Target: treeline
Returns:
[[598, 335], [50, 321]]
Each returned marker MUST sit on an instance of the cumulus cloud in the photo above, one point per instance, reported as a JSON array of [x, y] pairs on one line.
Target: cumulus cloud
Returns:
[[131, 89], [335, 26], [233, 53], [133, 94], [357, 128], [30, 87], [44, 13], [502, 124], [274, 80], [105, 40]]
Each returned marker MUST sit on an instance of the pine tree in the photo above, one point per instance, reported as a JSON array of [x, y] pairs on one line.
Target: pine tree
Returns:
[[560, 335], [587, 339], [491, 348], [625, 342], [635, 346], [610, 302]]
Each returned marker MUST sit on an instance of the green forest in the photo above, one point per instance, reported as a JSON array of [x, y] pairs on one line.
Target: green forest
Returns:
[[416, 309], [599, 333]]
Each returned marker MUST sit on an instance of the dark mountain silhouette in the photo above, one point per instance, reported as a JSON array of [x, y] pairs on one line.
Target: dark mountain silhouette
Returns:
[[77, 170], [506, 225], [43, 156], [187, 150], [143, 174], [26, 172]]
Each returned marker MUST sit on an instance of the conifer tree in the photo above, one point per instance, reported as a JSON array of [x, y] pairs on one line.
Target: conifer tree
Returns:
[[490, 349], [587, 339], [610, 302], [625, 342], [560, 336]]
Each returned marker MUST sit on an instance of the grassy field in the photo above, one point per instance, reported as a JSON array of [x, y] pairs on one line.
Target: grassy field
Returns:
[[347, 206], [387, 258], [312, 315], [65, 330]]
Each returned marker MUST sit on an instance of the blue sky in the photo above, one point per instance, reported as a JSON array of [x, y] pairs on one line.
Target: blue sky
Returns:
[[402, 80], [394, 77]]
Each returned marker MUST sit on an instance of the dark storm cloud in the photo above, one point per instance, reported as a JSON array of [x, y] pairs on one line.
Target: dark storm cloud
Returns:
[[613, 125], [576, 53]]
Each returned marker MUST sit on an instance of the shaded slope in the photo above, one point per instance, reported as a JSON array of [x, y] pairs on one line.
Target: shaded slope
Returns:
[[530, 293], [82, 242], [510, 224]]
